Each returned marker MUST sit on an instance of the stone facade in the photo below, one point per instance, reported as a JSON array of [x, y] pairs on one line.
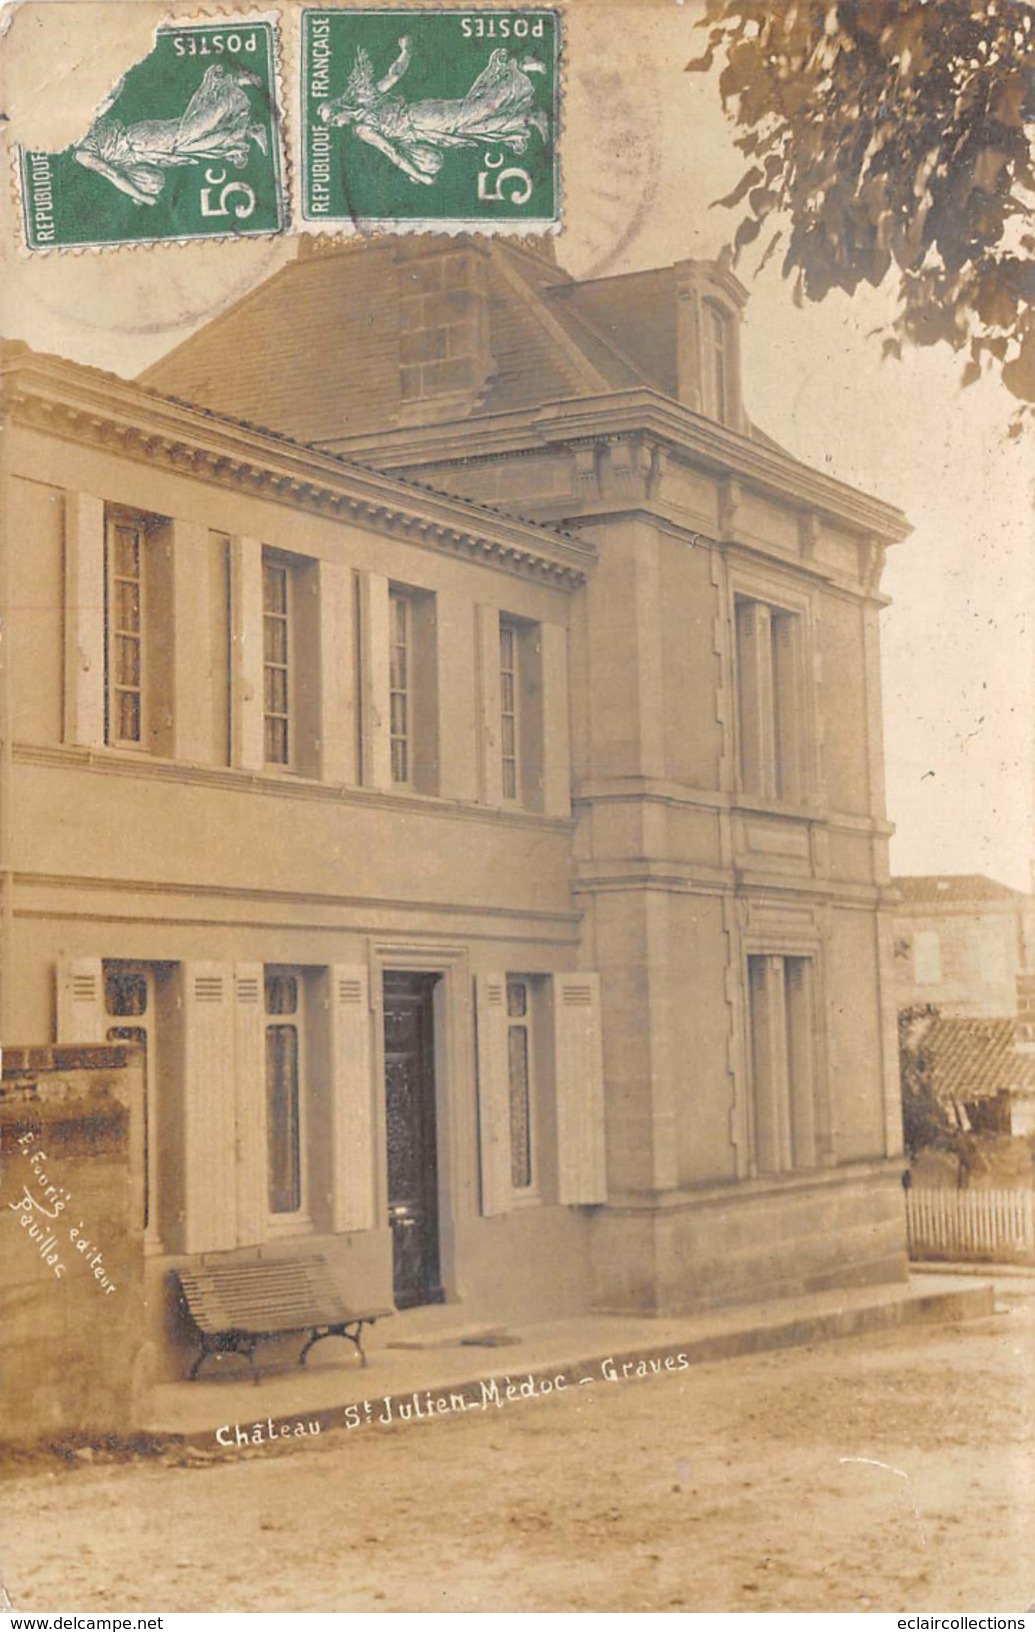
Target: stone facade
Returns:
[[583, 805]]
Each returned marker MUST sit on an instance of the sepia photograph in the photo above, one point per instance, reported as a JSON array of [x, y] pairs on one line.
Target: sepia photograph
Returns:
[[517, 808]]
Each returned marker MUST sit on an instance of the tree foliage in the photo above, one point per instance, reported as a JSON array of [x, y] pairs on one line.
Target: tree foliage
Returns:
[[926, 1124], [892, 137]]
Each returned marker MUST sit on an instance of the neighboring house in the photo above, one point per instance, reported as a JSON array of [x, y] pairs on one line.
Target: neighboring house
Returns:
[[961, 940], [977, 1067], [488, 848]]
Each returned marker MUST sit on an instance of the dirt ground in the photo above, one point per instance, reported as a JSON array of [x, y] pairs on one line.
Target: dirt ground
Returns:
[[886, 1473]]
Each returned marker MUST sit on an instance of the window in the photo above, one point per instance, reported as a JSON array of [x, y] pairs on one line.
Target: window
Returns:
[[520, 717], [284, 1078], [137, 655], [509, 681], [129, 1004], [400, 638], [520, 1068], [770, 698], [716, 363], [276, 654], [927, 957], [787, 1129], [412, 689]]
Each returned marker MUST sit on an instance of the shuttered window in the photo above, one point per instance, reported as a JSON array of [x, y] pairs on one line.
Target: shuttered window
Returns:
[[787, 1111], [277, 654], [283, 1091], [770, 701]]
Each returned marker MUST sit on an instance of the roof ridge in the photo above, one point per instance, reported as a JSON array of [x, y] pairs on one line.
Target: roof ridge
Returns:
[[586, 374]]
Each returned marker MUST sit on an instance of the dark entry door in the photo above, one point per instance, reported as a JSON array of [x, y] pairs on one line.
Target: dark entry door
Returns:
[[412, 1160]]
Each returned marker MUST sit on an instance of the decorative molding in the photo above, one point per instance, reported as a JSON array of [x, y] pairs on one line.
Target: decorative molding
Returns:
[[687, 437], [83, 405]]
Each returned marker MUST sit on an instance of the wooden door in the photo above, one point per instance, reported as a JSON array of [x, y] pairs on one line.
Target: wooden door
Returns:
[[412, 1149]]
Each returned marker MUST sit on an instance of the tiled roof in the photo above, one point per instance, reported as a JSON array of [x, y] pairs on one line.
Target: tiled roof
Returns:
[[947, 888], [977, 1059]]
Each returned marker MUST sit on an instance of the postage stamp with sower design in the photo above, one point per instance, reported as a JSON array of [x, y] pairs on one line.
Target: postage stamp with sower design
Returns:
[[186, 145], [436, 117]]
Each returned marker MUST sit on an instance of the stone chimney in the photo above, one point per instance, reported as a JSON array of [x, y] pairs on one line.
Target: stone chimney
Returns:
[[444, 362]]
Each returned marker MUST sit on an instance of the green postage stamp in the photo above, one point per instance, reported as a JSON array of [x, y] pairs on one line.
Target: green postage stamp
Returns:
[[186, 145], [430, 118]]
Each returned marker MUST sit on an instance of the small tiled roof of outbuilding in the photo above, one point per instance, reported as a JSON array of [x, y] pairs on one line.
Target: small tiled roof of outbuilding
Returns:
[[977, 1059], [948, 888]]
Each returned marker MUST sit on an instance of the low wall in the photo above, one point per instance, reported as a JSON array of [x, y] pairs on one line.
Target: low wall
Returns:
[[72, 1330]]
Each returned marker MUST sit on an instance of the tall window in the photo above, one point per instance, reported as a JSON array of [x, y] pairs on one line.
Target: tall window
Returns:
[[717, 362], [787, 1125], [138, 682], [125, 622], [276, 652], [413, 688], [129, 1003], [520, 1056], [284, 1132], [770, 697], [400, 613], [510, 683], [518, 725]]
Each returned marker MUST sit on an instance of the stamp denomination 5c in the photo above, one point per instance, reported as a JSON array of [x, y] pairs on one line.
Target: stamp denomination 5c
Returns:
[[186, 145], [429, 117]]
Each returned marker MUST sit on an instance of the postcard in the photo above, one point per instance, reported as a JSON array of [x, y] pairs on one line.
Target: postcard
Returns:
[[517, 941]]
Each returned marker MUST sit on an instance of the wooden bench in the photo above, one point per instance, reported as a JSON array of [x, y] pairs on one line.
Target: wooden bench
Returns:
[[235, 1306]]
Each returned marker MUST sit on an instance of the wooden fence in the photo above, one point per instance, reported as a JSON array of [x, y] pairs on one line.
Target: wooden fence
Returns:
[[985, 1225]]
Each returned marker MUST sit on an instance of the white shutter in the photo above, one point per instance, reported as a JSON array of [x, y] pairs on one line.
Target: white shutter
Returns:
[[352, 1099], [579, 1089], [250, 1102], [376, 677], [84, 620], [556, 732], [80, 1001], [209, 1106], [337, 674], [247, 678], [490, 752], [493, 1092]]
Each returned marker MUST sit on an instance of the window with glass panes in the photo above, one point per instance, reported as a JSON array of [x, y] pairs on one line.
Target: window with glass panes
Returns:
[[400, 613], [509, 706], [276, 650], [519, 1065], [125, 588], [283, 1028], [717, 351]]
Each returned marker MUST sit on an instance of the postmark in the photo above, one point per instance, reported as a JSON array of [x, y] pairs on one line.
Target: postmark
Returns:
[[186, 145], [430, 118]]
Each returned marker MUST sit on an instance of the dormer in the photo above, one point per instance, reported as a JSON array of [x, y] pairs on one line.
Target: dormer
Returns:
[[710, 307]]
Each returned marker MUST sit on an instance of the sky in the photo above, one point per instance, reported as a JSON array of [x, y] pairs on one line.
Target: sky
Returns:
[[646, 150]]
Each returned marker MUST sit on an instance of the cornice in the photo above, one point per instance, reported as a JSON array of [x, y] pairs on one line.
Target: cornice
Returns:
[[659, 424], [85, 406]]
